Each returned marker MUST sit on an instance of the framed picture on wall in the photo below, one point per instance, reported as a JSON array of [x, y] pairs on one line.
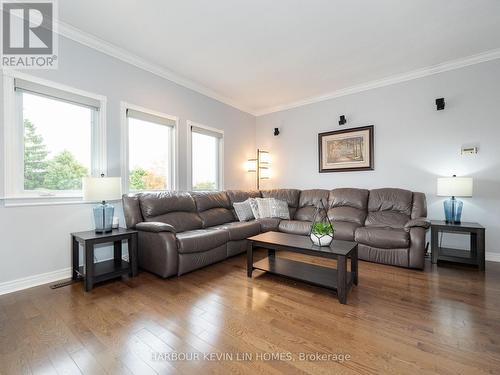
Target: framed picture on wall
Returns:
[[346, 150]]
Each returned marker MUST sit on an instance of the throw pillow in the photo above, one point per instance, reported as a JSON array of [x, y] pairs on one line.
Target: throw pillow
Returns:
[[280, 209], [265, 207], [243, 210], [254, 206]]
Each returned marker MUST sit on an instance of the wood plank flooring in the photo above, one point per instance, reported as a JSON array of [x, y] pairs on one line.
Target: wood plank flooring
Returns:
[[444, 320]]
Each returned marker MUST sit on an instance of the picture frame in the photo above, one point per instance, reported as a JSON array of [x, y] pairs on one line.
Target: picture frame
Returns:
[[346, 150]]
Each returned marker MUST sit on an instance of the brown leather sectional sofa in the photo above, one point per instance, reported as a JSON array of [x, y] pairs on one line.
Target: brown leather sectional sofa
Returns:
[[180, 232]]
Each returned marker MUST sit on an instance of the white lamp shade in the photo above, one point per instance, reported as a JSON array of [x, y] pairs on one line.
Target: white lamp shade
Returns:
[[454, 186], [98, 189]]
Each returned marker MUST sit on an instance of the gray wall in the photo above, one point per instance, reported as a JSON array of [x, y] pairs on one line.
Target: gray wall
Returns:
[[35, 239], [414, 143]]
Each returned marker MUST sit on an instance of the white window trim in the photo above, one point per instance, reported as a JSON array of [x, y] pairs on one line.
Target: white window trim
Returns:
[[189, 158], [125, 143], [13, 161]]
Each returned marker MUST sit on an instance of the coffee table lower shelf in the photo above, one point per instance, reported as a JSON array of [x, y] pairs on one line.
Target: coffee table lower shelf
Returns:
[[306, 272]]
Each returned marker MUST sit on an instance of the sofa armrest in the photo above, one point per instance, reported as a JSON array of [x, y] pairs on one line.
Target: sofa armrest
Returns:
[[420, 222], [155, 227]]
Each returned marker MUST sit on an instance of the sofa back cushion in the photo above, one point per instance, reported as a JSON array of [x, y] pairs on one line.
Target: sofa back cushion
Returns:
[[291, 196], [308, 200], [348, 204], [214, 208], [236, 196], [175, 208], [241, 195], [389, 207]]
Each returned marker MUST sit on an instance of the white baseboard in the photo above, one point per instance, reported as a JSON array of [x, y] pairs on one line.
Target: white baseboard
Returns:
[[493, 257], [40, 279], [31, 281]]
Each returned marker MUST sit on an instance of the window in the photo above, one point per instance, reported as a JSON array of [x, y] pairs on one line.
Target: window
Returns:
[[54, 139], [150, 164], [206, 158]]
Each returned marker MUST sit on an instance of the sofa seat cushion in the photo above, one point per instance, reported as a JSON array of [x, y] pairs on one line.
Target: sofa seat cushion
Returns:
[[295, 227], [269, 224], [194, 241], [240, 230], [344, 230], [385, 238]]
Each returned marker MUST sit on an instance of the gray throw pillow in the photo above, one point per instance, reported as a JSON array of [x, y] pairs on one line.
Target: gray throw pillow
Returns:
[[254, 206], [280, 209], [243, 210], [271, 207]]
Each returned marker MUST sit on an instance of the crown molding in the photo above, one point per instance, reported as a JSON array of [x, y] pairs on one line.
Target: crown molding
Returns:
[[391, 80], [110, 49]]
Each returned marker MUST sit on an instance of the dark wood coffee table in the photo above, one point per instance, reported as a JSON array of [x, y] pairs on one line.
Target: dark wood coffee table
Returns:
[[337, 279]]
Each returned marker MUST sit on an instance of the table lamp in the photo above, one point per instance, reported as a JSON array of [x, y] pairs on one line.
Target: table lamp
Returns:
[[102, 189], [454, 187]]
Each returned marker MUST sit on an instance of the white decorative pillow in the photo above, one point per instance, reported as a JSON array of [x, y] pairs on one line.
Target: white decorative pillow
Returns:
[[243, 210], [271, 207], [280, 209], [254, 206], [265, 207]]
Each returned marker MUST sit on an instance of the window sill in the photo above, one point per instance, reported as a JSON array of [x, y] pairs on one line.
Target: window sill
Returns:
[[43, 201]]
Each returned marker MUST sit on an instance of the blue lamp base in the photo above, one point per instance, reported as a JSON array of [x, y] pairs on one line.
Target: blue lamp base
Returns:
[[453, 210], [103, 217]]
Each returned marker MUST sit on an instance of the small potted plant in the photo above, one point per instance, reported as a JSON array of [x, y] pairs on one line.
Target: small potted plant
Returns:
[[322, 233]]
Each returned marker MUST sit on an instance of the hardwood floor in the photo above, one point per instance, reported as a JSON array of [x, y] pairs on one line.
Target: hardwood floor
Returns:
[[445, 320]]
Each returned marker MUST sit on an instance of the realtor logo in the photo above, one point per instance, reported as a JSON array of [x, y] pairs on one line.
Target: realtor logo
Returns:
[[29, 40]]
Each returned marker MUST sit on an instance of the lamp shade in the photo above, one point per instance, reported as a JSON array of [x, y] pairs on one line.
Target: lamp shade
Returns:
[[454, 186], [98, 189]]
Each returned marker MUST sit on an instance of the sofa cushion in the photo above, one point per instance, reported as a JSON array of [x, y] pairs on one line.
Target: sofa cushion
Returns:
[[392, 219], [344, 230], [214, 208], [206, 200], [385, 238], [175, 208], [346, 213], [240, 230], [269, 224], [349, 197], [295, 227], [156, 204], [241, 195], [308, 201], [291, 196], [389, 199], [201, 240]]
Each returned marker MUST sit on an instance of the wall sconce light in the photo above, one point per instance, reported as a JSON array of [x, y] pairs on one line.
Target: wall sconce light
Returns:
[[342, 120], [440, 104], [260, 165]]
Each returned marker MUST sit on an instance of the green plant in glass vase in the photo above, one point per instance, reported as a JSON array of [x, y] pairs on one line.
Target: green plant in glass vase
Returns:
[[321, 233]]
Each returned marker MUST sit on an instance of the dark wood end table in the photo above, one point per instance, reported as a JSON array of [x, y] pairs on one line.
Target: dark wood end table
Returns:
[[92, 272], [476, 255], [337, 279]]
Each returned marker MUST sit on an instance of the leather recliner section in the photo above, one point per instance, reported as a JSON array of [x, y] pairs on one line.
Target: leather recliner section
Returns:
[[180, 232]]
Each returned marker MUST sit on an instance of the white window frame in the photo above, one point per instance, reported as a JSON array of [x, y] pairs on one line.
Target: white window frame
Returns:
[[14, 193], [189, 156], [124, 106]]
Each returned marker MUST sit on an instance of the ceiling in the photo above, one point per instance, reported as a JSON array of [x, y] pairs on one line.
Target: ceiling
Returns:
[[264, 54]]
